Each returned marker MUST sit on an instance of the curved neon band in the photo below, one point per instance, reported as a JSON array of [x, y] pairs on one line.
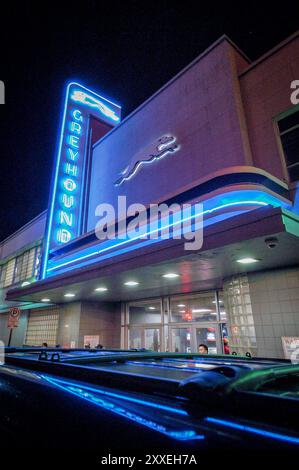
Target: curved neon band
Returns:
[[138, 237]]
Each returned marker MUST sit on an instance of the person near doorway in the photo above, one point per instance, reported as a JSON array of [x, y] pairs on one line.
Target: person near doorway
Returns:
[[226, 346], [203, 349]]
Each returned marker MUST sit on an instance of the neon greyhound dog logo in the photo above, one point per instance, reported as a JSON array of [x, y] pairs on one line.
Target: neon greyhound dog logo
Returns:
[[162, 147], [88, 100]]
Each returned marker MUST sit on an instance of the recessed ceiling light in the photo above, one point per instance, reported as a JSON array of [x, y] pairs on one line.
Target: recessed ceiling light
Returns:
[[152, 308], [170, 275], [181, 305], [247, 260], [220, 301], [131, 283], [101, 289], [45, 300], [69, 294], [182, 311], [201, 310]]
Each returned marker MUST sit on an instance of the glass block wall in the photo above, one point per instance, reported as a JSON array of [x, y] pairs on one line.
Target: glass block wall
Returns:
[[238, 307]]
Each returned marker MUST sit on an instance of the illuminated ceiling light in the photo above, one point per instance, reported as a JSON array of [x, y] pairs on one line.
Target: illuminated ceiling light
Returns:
[[170, 275], [69, 294], [181, 305], [45, 300], [201, 310], [101, 289], [131, 283], [182, 311], [152, 308], [247, 260], [220, 302]]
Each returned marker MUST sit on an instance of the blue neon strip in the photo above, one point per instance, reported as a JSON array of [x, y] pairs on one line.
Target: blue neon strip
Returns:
[[253, 430], [182, 435], [127, 249], [138, 237], [118, 396]]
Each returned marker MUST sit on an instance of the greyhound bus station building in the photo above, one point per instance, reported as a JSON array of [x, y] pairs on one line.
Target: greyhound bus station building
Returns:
[[224, 133]]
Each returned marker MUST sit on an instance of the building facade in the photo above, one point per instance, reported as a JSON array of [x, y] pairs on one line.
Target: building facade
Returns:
[[20, 261], [222, 134]]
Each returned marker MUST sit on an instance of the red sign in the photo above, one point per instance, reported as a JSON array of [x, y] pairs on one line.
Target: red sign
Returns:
[[14, 317], [187, 316]]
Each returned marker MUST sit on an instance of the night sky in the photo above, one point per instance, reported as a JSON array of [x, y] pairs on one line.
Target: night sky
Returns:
[[126, 50]]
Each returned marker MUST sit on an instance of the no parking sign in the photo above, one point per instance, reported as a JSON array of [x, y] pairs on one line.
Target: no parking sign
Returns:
[[13, 317]]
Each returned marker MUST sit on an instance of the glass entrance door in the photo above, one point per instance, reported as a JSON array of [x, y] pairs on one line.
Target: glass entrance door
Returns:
[[209, 337], [181, 340], [152, 339], [186, 339], [145, 337]]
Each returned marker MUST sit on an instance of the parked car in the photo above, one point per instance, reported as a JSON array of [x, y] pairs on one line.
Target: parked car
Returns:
[[108, 399]]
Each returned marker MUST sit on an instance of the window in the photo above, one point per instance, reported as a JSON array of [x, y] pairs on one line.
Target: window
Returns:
[[237, 301], [145, 312], [9, 272], [23, 267], [194, 307], [37, 262], [42, 327], [289, 135], [2, 274]]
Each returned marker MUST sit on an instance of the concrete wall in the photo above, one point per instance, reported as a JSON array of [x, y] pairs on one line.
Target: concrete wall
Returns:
[[221, 110], [262, 307], [103, 319], [76, 320], [203, 109], [275, 306], [69, 324], [266, 92]]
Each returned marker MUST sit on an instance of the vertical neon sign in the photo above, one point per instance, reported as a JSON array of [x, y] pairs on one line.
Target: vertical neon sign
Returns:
[[64, 214]]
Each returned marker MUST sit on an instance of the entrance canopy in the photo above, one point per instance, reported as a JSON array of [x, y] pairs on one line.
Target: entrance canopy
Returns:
[[142, 275]]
